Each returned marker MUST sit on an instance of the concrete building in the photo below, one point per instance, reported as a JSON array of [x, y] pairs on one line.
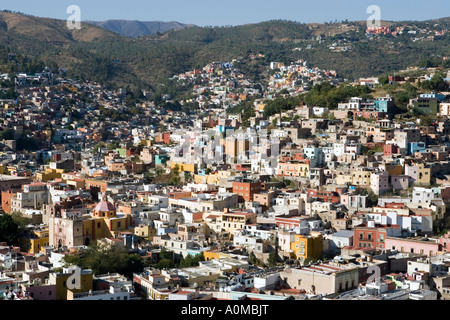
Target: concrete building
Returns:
[[323, 278]]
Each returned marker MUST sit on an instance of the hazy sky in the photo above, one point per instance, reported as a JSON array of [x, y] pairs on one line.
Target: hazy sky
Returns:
[[233, 12]]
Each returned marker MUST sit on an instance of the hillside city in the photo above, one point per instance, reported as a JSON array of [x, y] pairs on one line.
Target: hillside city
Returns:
[[300, 186]]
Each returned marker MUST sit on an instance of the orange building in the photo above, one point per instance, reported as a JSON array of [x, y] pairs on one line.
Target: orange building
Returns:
[[246, 189], [6, 200]]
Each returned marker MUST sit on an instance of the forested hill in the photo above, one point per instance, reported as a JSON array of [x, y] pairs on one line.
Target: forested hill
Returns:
[[134, 28], [97, 54]]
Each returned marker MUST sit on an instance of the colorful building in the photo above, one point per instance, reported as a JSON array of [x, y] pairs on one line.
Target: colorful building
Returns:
[[293, 169], [35, 240], [307, 246], [373, 235], [246, 189]]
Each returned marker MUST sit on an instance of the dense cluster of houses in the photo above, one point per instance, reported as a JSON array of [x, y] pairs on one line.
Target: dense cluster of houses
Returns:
[[311, 203]]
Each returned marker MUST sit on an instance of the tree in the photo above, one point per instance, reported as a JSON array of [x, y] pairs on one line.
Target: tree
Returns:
[[253, 260], [114, 145], [20, 220], [383, 80], [9, 230], [165, 264], [372, 198], [272, 260], [113, 259], [7, 134], [191, 261], [174, 181]]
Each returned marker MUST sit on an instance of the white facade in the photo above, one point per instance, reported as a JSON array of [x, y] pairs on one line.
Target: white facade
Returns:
[[423, 196], [266, 281]]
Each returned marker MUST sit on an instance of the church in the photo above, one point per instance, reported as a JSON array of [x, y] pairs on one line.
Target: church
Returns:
[[72, 228]]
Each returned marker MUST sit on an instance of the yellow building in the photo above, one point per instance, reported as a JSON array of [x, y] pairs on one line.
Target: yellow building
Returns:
[[49, 174], [145, 232], [62, 287], [423, 174], [293, 169], [342, 179], [208, 178], [259, 106], [145, 143], [234, 146], [76, 183], [214, 254], [224, 174], [361, 177], [35, 240], [190, 167], [232, 221], [307, 246], [106, 222], [158, 293]]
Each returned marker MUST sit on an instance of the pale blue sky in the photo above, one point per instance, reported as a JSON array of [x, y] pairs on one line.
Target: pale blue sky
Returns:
[[234, 12]]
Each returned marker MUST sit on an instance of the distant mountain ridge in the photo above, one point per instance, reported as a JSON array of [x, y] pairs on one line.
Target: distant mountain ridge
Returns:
[[136, 28], [149, 61]]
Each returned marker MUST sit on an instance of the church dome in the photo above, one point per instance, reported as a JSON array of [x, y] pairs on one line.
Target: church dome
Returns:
[[105, 206]]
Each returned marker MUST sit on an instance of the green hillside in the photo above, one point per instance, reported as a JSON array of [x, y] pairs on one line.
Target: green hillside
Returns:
[[146, 62]]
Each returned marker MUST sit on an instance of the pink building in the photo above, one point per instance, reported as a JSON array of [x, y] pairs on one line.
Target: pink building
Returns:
[[42, 292], [444, 241], [379, 182], [400, 182], [414, 245]]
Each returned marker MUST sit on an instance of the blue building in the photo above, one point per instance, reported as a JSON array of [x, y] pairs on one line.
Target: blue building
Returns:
[[438, 96], [161, 159], [384, 104], [414, 147]]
